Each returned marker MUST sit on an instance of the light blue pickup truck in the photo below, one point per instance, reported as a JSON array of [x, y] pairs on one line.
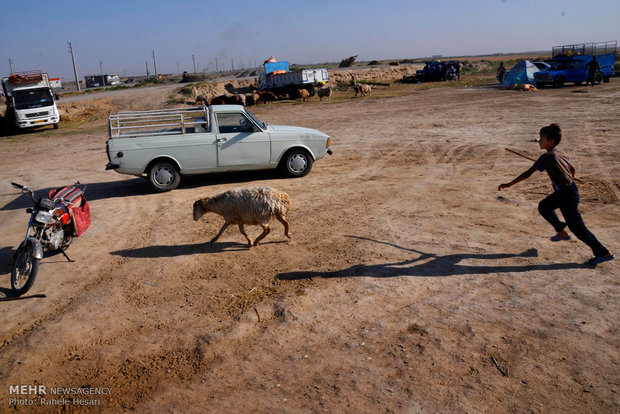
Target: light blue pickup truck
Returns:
[[166, 144]]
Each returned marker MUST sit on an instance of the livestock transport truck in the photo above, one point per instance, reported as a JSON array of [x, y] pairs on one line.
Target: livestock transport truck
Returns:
[[569, 63], [29, 101], [278, 79]]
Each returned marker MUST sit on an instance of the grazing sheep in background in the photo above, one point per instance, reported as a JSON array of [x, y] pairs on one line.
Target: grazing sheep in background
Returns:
[[234, 99], [362, 89], [202, 100], [218, 100], [303, 94], [250, 99], [325, 92], [266, 97], [253, 206]]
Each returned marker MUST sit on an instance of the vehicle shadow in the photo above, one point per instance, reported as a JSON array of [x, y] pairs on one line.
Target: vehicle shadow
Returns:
[[238, 177], [140, 186], [6, 257], [430, 264], [151, 252], [6, 295]]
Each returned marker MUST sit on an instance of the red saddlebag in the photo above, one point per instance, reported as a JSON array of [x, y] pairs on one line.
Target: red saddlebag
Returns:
[[79, 210]]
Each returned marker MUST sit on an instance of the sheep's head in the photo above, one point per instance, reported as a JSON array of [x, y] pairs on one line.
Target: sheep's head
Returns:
[[200, 208]]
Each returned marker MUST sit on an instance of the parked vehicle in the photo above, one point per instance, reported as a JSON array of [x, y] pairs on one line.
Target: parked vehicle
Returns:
[[570, 64], [435, 71], [93, 81], [542, 65], [54, 222], [29, 100], [165, 144], [278, 79]]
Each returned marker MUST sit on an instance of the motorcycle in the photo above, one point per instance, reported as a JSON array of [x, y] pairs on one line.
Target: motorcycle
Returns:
[[54, 222]]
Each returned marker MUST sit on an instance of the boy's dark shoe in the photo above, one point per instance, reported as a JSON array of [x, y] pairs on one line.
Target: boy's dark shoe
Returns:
[[560, 237], [600, 259]]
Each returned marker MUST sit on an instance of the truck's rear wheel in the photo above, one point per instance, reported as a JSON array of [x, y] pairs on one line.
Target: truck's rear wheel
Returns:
[[164, 176], [598, 78]]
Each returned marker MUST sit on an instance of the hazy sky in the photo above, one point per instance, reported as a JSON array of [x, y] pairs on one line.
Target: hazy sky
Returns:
[[123, 34]]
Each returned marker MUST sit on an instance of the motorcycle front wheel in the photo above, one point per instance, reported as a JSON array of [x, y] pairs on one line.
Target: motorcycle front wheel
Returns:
[[24, 270]]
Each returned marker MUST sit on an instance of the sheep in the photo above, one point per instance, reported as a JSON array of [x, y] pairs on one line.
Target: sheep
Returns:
[[250, 99], [325, 92], [362, 89], [303, 94], [234, 99], [253, 206], [218, 100], [266, 97], [202, 100]]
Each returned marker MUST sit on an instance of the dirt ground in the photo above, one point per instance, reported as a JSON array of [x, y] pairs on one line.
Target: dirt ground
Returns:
[[410, 283]]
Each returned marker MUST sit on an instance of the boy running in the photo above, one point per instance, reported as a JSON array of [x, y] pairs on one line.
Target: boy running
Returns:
[[565, 197]]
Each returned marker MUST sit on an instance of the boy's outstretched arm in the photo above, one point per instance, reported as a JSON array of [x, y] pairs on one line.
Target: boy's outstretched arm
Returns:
[[520, 178]]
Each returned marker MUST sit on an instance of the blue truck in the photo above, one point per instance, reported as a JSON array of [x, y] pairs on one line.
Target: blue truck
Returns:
[[569, 63]]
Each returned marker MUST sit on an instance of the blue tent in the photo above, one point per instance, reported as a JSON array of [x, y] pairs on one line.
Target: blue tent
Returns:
[[521, 73]]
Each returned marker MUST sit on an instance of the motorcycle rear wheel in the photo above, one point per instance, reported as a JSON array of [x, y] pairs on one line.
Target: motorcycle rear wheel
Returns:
[[24, 270]]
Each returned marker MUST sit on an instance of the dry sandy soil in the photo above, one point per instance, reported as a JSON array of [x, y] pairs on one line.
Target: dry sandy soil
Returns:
[[410, 284]]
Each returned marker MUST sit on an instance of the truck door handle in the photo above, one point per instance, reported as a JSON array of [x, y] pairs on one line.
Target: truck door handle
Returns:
[[221, 140]]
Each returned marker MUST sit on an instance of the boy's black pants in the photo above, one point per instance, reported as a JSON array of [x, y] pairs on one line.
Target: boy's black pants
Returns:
[[567, 200]]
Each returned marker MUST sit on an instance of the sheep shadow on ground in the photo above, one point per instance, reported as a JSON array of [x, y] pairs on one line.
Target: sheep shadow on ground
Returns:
[[431, 264], [151, 252]]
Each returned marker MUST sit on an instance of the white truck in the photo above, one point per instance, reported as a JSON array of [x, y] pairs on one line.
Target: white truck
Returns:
[[166, 144], [278, 79], [29, 100]]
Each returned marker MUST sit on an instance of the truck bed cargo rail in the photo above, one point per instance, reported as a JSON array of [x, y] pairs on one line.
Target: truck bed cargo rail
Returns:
[[126, 124], [26, 77], [593, 48]]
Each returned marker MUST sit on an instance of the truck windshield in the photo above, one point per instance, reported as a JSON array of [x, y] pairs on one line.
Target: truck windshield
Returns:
[[259, 123], [35, 98], [558, 65]]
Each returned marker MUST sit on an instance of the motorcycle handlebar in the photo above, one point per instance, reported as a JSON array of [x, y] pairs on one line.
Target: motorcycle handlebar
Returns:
[[24, 188]]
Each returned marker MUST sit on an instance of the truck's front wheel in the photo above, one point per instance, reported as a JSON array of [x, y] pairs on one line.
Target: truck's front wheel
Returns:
[[164, 176], [56, 126], [558, 82], [296, 163]]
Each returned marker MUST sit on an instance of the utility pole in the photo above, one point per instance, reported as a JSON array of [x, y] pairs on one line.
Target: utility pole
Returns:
[[77, 80], [155, 65], [147, 70], [11, 66], [178, 71], [101, 70], [216, 67], [194, 60], [232, 64]]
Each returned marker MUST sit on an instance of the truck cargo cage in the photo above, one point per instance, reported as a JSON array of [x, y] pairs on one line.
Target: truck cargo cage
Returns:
[[26, 77], [594, 48], [180, 121]]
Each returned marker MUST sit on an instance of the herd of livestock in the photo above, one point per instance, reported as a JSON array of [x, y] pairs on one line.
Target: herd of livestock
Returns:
[[257, 97]]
